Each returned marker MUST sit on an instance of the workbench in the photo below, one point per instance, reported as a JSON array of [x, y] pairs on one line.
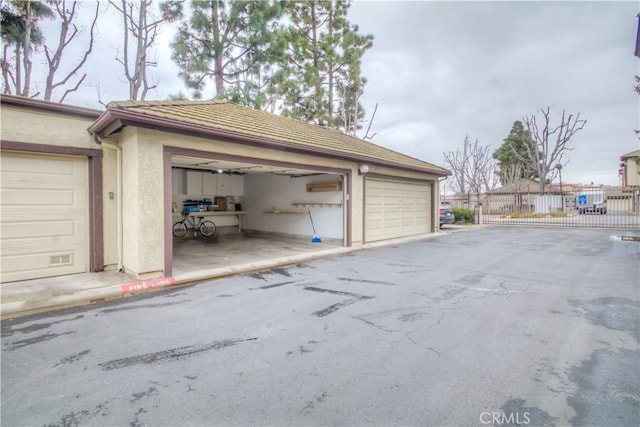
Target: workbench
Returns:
[[237, 214]]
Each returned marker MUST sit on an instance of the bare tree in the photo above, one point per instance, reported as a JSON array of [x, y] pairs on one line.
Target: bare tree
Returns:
[[512, 174], [458, 161], [550, 142], [68, 32], [373, 116], [142, 26], [474, 168]]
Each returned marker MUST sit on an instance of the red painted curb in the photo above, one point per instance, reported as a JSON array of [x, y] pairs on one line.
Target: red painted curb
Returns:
[[161, 282]]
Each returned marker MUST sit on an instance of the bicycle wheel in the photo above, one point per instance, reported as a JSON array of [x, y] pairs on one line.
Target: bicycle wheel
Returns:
[[207, 228], [179, 229]]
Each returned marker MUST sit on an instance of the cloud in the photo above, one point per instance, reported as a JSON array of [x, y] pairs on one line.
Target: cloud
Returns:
[[443, 70], [475, 67]]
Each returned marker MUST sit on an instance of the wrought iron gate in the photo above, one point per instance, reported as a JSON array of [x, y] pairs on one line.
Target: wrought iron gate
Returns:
[[609, 207]]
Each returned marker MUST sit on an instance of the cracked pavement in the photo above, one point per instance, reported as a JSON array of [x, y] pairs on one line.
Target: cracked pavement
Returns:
[[536, 325]]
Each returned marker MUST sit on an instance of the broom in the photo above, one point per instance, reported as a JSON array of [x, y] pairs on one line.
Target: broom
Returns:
[[315, 238]]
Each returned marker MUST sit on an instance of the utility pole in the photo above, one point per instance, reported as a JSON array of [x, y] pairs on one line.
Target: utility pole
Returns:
[[559, 167]]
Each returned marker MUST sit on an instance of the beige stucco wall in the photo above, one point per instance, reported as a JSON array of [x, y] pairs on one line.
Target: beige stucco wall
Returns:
[[30, 126], [633, 173], [35, 127], [110, 205], [142, 205]]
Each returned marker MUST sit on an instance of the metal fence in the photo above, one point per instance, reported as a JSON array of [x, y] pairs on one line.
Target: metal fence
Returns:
[[610, 207]]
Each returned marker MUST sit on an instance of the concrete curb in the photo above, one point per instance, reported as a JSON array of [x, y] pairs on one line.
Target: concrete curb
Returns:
[[112, 292]]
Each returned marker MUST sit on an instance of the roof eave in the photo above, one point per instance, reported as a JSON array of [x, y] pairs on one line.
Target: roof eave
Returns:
[[53, 107], [129, 118]]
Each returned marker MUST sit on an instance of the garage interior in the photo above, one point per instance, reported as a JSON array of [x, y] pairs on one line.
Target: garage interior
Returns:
[[260, 211]]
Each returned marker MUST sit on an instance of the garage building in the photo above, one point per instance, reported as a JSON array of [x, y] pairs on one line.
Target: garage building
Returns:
[[84, 190]]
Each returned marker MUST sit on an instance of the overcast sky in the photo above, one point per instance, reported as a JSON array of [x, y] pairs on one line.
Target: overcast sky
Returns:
[[443, 70]]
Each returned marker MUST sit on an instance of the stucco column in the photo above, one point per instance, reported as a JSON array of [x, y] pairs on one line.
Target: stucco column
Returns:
[[142, 205]]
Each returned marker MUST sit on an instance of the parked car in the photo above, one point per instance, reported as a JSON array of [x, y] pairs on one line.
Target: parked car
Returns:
[[446, 214]]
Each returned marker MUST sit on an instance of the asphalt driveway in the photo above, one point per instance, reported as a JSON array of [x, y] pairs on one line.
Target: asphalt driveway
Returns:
[[495, 326]]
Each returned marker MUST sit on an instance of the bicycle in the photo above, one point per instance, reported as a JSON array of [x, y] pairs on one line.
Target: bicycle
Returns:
[[206, 228]]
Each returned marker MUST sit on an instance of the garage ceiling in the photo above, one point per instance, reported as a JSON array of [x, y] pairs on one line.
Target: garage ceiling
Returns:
[[234, 167]]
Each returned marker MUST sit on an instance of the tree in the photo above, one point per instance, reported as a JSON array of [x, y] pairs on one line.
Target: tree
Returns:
[[474, 168], [11, 28], [177, 96], [550, 143], [141, 28], [68, 32], [518, 139], [320, 79], [231, 43], [21, 36]]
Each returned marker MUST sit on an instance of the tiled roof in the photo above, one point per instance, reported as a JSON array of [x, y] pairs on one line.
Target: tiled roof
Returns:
[[227, 116], [521, 186]]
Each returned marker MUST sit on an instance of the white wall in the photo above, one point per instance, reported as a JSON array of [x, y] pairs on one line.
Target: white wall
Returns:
[[178, 197], [547, 203], [266, 192]]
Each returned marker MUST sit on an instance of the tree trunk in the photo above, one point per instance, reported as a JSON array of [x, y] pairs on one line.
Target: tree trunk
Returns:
[[330, 68], [54, 63], [316, 61], [26, 45], [217, 51], [5, 71], [141, 52], [18, 69]]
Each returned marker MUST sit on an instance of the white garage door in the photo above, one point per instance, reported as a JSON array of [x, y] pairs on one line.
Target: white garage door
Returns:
[[396, 209], [44, 212]]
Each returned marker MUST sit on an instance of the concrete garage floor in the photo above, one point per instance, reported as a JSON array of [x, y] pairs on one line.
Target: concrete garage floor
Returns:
[[229, 248]]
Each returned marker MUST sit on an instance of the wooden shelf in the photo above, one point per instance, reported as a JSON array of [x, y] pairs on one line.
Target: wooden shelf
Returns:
[[284, 212], [324, 186], [312, 204]]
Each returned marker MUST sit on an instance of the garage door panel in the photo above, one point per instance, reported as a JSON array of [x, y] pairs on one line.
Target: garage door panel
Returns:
[[44, 220], [41, 264], [39, 230], [404, 208], [25, 197], [43, 165]]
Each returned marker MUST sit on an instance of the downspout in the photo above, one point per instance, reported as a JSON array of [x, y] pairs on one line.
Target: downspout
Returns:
[[440, 180], [345, 210], [118, 151]]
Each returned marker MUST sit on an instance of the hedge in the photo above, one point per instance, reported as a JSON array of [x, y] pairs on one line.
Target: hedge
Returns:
[[463, 215]]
